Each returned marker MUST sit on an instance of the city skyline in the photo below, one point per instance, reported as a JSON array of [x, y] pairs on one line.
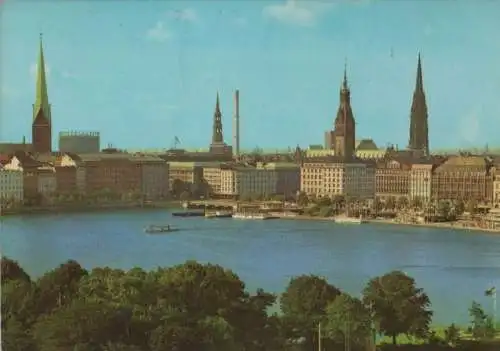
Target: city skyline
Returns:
[[187, 52]]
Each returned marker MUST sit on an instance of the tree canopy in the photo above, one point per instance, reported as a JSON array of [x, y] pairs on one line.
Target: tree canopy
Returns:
[[398, 305], [194, 306]]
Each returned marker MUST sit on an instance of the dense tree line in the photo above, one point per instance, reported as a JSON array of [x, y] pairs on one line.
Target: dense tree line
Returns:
[[196, 306]]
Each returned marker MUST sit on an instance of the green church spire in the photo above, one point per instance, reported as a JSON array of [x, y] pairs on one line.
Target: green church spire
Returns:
[[41, 97]]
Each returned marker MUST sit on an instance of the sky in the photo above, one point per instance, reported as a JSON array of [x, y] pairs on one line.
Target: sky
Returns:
[[145, 72]]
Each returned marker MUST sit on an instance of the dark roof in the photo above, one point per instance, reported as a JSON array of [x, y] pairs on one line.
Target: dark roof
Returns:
[[26, 159], [335, 159]]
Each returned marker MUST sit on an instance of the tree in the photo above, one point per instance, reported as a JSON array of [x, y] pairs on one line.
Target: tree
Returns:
[[377, 204], [12, 271], [338, 201], [390, 203], [398, 305], [481, 324], [325, 211], [57, 288], [302, 199], [185, 195], [402, 202], [452, 335], [444, 209], [347, 317], [304, 302], [459, 207], [472, 206], [85, 325], [417, 202], [324, 201]]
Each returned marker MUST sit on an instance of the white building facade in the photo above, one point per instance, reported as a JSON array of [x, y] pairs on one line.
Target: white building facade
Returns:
[[11, 186]]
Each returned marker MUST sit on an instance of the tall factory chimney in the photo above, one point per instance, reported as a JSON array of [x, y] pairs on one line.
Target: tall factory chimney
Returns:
[[236, 124]]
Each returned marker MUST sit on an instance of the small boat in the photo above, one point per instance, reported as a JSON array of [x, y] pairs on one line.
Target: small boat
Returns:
[[242, 215], [223, 214], [349, 220], [210, 215], [156, 229]]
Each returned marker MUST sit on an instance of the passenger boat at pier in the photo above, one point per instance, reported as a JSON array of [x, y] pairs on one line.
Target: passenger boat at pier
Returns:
[[249, 215], [349, 220]]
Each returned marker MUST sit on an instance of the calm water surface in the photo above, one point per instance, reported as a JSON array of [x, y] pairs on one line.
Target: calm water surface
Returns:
[[454, 267]]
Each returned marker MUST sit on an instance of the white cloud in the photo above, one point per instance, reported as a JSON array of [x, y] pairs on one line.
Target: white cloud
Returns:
[[159, 32], [34, 69], [302, 13], [186, 15]]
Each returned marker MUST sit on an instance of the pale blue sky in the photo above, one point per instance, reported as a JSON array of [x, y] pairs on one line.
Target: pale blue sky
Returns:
[[144, 72]]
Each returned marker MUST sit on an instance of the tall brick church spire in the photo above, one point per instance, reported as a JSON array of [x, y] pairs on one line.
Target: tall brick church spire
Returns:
[[217, 136], [42, 119], [419, 128], [345, 125]]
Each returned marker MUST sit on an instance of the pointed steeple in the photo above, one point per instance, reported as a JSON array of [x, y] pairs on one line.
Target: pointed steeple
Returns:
[[344, 83], [419, 85], [419, 127], [217, 136], [41, 94], [217, 107]]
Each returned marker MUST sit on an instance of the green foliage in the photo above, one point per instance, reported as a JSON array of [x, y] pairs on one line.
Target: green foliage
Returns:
[[304, 303], [481, 324], [205, 307], [452, 335], [302, 199], [12, 271], [325, 211], [398, 305], [347, 317]]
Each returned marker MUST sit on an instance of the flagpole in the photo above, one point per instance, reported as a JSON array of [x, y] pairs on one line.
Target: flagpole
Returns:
[[495, 309], [319, 336]]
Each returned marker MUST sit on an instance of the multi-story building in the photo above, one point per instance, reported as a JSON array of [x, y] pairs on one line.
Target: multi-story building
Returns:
[[463, 177], [262, 180], [46, 183], [154, 176], [25, 163], [11, 186], [392, 178], [119, 173], [331, 176], [420, 186], [495, 173], [189, 175], [212, 178]]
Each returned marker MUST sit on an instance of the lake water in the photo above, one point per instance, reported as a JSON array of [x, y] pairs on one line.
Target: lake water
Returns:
[[453, 266]]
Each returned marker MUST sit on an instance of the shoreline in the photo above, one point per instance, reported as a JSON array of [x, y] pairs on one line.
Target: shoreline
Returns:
[[88, 208], [436, 225]]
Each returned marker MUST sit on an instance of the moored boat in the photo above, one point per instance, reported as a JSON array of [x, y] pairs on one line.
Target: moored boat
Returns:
[[245, 215], [223, 214], [349, 220], [189, 214]]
